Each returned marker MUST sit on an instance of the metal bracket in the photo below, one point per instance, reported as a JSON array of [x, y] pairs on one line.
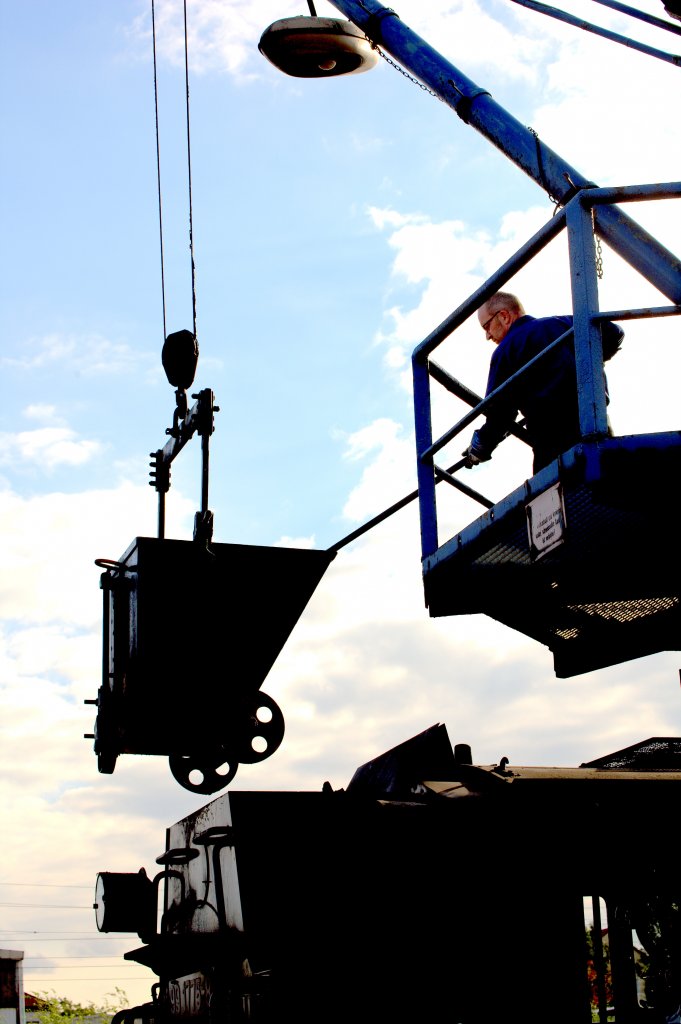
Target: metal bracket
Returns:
[[199, 419]]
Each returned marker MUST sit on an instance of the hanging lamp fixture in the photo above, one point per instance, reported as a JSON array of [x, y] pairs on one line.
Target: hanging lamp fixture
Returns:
[[310, 47]]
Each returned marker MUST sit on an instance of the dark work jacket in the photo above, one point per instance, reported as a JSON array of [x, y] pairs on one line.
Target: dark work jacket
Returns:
[[546, 396]]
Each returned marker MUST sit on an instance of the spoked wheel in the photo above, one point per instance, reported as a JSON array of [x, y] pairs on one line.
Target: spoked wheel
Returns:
[[206, 772], [263, 728]]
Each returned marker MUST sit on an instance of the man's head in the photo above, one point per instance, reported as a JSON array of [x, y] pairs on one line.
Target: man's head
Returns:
[[497, 315]]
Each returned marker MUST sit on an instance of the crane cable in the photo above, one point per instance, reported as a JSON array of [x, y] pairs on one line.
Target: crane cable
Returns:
[[189, 171], [158, 169]]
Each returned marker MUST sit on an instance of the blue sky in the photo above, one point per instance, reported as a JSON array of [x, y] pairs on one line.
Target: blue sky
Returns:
[[335, 223]]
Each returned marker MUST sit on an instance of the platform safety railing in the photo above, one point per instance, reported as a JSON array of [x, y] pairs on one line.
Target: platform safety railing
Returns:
[[576, 218]]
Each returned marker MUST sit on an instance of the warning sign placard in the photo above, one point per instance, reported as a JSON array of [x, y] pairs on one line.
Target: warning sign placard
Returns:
[[545, 521]]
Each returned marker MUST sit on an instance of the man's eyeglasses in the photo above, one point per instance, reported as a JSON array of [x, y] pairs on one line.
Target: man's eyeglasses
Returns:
[[486, 324]]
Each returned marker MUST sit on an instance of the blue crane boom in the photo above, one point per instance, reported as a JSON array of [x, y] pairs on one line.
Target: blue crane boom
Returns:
[[476, 107], [570, 543]]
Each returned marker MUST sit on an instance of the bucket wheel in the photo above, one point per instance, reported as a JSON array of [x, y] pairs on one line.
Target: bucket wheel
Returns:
[[262, 728], [259, 729], [207, 772]]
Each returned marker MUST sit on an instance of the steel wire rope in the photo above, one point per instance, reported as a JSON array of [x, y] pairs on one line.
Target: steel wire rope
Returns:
[[189, 172], [189, 168], [158, 168]]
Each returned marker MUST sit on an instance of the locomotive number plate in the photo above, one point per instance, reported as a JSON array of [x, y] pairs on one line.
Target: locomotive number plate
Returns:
[[189, 996]]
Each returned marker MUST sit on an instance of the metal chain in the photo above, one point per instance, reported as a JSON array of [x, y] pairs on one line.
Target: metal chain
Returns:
[[401, 70], [599, 259], [599, 250], [389, 60]]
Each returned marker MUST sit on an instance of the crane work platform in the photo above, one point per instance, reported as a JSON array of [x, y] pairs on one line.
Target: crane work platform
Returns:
[[580, 557]]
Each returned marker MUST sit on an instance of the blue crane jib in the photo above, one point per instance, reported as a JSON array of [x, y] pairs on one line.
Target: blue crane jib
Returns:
[[574, 557]]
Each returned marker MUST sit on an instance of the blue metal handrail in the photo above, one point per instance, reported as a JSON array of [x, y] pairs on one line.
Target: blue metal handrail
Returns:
[[493, 397], [576, 219]]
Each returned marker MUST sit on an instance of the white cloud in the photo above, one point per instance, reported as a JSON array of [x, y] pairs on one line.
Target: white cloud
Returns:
[[46, 413], [383, 218], [71, 821], [46, 448], [387, 476], [50, 542], [89, 355], [469, 31], [604, 108]]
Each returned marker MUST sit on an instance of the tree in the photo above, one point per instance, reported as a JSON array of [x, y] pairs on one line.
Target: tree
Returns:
[[592, 973], [54, 1009]]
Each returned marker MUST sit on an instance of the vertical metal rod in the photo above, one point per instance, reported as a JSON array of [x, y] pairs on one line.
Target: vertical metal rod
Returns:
[[593, 416], [105, 583], [205, 438], [206, 407], [476, 107], [219, 884], [161, 515], [424, 471]]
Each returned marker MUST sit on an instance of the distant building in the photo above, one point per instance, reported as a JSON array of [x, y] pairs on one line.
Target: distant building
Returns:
[[12, 987], [32, 1006]]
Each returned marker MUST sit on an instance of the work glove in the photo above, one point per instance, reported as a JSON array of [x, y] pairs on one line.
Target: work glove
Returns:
[[473, 456]]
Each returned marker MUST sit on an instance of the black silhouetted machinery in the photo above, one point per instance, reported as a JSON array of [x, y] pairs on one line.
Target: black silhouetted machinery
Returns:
[[431, 888], [191, 628]]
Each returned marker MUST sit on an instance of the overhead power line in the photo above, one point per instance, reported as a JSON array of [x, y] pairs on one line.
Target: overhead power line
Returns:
[[78, 967], [47, 906], [21, 937], [50, 977], [85, 956], [47, 885]]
